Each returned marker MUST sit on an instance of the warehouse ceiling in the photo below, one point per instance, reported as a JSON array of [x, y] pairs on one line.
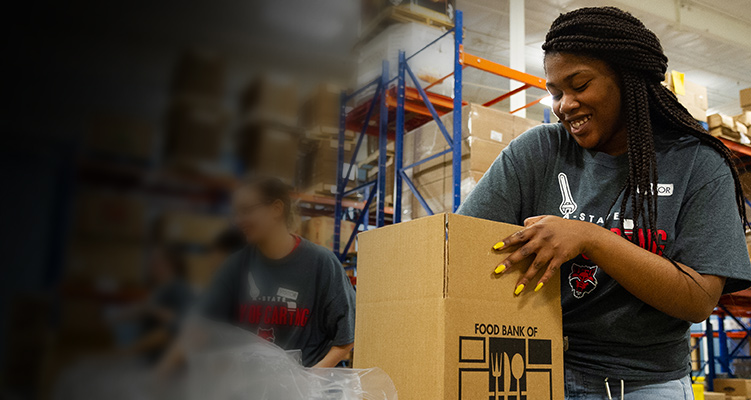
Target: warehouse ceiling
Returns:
[[721, 63]]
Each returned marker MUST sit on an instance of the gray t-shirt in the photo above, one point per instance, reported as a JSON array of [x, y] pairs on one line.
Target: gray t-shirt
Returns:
[[303, 301], [612, 333]]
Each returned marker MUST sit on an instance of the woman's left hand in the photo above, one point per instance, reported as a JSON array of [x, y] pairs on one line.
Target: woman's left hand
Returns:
[[551, 241]]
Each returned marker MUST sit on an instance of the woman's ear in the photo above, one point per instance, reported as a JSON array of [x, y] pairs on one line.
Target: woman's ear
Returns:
[[277, 208]]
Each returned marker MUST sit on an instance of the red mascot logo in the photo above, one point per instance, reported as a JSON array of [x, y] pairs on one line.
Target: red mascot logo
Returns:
[[267, 334], [582, 279]]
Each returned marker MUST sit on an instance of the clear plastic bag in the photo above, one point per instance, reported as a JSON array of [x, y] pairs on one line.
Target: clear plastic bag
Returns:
[[228, 363]]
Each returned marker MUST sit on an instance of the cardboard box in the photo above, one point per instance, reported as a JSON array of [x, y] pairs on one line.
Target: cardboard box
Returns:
[[120, 136], [714, 396], [195, 130], [322, 107], [720, 120], [320, 230], [101, 214], [693, 96], [440, 194], [745, 97], [199, 74], [270, 149], [744, 118], [434, 317], [272, 98], [733, 387], [191, 228], [374, 11], [322, 163], [736, 398]]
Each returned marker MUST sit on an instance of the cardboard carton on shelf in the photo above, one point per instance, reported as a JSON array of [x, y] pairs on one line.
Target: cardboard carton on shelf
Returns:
[[272, 98], [270, 149], [432, 12], [322, 108], [714, 396], [196, 130], [744, 118], [121, 137], [692, 95], [320, 230], [745, 97], [733, 387], [442, 325], [191, 228], [439, 195]]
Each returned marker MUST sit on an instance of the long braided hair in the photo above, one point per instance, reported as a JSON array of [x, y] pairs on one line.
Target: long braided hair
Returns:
[[634, 52]]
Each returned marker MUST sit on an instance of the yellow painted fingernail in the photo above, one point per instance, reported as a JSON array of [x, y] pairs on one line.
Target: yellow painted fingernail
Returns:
[[498, 246], [519, 289], [539, 286], [500, 268]]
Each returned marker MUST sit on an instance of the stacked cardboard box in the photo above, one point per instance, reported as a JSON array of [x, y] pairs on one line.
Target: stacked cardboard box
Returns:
[[270, 149], [713, 396], [271, 98], [191, 228], [434, 12], [269, 136], [485, 133], [322, 165], [745, 97], [733, 128], [429, 315], [734, 387], [320, 113], [196, 122], [693, 96], [431, 64], [320, 230]]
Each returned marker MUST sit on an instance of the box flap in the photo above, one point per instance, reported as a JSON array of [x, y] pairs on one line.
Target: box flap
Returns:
[[471, 261], [402, 261]]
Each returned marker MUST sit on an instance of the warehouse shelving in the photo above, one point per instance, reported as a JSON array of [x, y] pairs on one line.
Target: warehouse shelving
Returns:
[[422, 106]]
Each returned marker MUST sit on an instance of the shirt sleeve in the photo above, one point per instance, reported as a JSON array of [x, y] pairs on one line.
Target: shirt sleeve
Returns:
[[340, 307], [217, 302], [710, 237]]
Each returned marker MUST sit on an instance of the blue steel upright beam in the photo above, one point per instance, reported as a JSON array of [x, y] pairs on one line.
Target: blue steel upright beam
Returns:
[[712, 373], [457, 142], [339, 167], [399, 140], [383, 114]]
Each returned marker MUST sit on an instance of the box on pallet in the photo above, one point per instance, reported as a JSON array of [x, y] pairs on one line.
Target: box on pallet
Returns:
[[271, 98], [191, 228], [437, 320], [121, 137], [373, 11], [320, 111], [745, 97], [195, 130], [428, 66], [486, 133], [320, 230], [322, 164], [733, 387], [271, 149], [693, 96]]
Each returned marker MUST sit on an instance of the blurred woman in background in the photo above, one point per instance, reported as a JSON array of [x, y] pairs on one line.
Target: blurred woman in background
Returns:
[[280, 286]]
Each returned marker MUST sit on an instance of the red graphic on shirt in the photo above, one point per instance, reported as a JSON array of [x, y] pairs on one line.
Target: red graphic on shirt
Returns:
[[582, 279], [266, 334], [645, 241], [272, 315]]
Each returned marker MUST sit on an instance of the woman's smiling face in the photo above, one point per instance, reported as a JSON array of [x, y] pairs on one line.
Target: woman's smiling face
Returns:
[[587, 99]]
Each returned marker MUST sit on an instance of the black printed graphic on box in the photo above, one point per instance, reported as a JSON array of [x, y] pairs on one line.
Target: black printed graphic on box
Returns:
[[511, 368]]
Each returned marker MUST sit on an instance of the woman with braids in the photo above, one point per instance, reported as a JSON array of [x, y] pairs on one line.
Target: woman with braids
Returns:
[[636, 205]]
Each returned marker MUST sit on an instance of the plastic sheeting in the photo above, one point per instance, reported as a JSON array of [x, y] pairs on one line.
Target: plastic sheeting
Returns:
[[224, 363]]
